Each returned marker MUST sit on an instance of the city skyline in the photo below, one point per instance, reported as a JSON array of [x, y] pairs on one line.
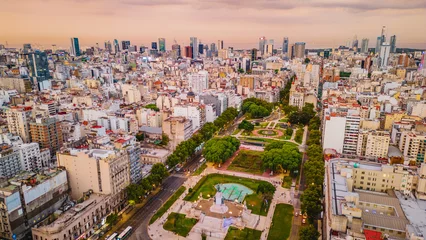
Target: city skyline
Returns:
[[319, 23]]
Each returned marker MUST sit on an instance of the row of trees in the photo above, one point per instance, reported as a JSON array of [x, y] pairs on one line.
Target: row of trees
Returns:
[[218, 150], [279, 156], [187, 148], [314, 174], [136, 191], [257, 108], [303, 116], [246, 125]]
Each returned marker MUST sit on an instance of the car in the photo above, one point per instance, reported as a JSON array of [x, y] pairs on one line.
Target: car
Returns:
[[296, 214], [303, 220]]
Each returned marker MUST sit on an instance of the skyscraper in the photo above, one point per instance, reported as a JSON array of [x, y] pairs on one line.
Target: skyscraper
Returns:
[[378, 44], [262, 43], [27, 48], [176, 49], [108, 46], [213, 47], [75, 47], [162, 44], [253, 54], [200, 48], [364, 45], [194, 45], [393, 44], [355, 43], [383, 35], [116, 46], [188, 51], [38, 65], [299, 50], [125, 45], [154, 45], [285, 45], [219, 44], [384, 54]]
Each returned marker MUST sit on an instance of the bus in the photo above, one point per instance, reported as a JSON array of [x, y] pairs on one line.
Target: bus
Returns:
[[125, 234], [112, 237]]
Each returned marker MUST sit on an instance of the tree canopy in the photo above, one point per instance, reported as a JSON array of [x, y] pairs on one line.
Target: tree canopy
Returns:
[[218, 150], [246, 125], [153, 107], [287, 158], [256, 107], [308, 233]]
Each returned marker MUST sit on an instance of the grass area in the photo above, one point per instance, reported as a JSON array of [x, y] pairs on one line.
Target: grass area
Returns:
[[236, 131], [263, 124], [287, 182], [179, 224], [268, 132], [299, 135], [168, 204], [247, 161], [244, 234], [281, 222], [199, 170], [206, 187], [283, 120], [285, 137], [245, 133]]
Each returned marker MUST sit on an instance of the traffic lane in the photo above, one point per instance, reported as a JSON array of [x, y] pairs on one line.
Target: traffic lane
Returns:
[[141, 219], [296, 225]]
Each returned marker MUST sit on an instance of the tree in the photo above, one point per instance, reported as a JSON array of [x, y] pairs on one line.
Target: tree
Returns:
[[274, 145], [164, 139], [153, 107], [160, 170], [307, 60], [311, 203], [240, 70], [265, 187], [308, 233], [287, 158], [218, 150], [112, 219], [246, 125], [140, 137], [135, 192], [289, 131], [276, 71]]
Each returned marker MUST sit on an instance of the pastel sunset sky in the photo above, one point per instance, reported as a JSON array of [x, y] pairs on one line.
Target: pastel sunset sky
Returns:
[[319, 23]]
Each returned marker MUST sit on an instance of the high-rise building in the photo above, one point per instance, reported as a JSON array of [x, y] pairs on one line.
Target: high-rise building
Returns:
[[104, 171], [116, 46], [253, 54], [219, 44], [299, 50], [48, 133], [383, 35], [285, 45], [213, 47], [75, 47], [355, 43], [108, 46], [194, 45], [198, 81], [188, 51], [27, 48], [176, 50], [269, 48], [125, 44], [154, 45], [18, 122], [384, 54], [178, 129], [378, 44], [364, 45], [10, 164], [262, 43], [38, 65], [201, 48], [162, 44], [393, 44]]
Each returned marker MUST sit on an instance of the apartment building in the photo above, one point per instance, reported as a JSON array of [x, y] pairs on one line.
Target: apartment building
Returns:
[[178, 129], [104, 171], [341, 133], [153, 156], [413, 146], [30, 157], [350, 141], [48, 133], [18, 119], [196, 113], [28, 199], [373, 143], [10, 163]]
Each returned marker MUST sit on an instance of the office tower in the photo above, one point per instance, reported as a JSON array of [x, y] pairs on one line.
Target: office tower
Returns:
[[116, 46], [393, 44], [246, 64], [219, 44], [291, 51], [213, 47], [384, 54], [355, 43], [75, 47], [269, 48], [299, 50], [262, 43], [188, 51], [383, 35], [154, 45], [327, 53], [162, 44], [142, 49], [27, 48], [38, 66], [125, 45], [364, 45], [194, 45], [48, 133], [378, 44], [176, 50], [108, 47], [253, 54], [285, 45], [200, 48]]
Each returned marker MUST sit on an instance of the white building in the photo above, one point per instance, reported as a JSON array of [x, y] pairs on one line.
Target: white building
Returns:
[[131, 93], [30, 157], [384, 54], [196, 113], [198, 81]]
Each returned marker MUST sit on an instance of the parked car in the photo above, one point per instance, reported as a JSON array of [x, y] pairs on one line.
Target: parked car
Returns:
[[303, 220]]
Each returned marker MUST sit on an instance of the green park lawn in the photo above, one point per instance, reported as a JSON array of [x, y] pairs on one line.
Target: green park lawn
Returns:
[[287, 181], [179, 224], [199, 170], [244, 234], [236, 131], [281, 222], [247, 161], [206, 187], [167, 205]]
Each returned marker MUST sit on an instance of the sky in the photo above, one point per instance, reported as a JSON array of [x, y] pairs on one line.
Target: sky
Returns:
[[239, 23]]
